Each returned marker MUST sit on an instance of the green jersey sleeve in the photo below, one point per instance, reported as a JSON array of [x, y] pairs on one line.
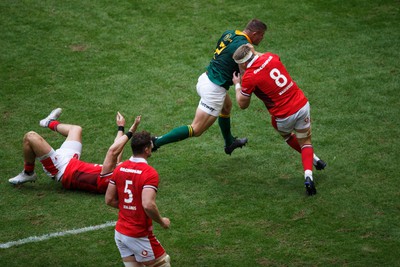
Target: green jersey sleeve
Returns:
[[222, 66]]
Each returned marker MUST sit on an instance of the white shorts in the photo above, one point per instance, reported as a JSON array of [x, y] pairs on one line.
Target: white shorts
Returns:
[[55, 162], [298, 121], [212, 96], [142, 248]]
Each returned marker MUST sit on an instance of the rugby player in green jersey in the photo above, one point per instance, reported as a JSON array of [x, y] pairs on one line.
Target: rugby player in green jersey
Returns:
[[212, 87]]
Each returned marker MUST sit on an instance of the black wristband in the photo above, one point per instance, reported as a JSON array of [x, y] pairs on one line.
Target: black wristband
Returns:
[[129, 134], [121, 128]]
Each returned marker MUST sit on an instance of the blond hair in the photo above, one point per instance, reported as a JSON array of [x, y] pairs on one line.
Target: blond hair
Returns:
[[242, 54]]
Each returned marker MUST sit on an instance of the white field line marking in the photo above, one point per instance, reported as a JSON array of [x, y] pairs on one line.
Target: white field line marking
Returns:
[[58, 234]]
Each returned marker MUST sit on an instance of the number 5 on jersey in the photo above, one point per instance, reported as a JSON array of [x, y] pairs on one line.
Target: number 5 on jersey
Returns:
[[128, 191]]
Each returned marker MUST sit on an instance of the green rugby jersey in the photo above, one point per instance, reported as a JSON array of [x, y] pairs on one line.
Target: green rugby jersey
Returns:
[[222, 66]]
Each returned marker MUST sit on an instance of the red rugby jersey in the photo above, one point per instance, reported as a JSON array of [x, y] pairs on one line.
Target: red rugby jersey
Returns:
[[80, 175], [130, 178], [269, 80]]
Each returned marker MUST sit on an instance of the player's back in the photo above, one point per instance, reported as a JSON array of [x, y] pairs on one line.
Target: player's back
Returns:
[[272, 83], [130, 178]]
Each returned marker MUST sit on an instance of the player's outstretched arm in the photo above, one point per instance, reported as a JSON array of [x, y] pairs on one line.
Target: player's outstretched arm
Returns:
[[115, 150], [121, 126]]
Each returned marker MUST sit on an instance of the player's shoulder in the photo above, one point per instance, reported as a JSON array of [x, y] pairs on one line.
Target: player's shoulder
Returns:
[[227, 36], [228, 32], [152, 169]]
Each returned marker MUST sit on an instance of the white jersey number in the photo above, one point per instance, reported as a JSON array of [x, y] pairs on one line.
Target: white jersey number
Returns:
[[280, 79], [128, 191]]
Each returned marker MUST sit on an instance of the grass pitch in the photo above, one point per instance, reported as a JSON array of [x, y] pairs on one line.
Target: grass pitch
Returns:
[[94, 58]]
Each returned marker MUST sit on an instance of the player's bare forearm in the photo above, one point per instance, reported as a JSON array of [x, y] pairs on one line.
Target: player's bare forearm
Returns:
[[243, 101], [151, 209], [120, 142], [114, 153], [135, 124], [113, 204], [111, 196], [120, 123], [154, 214]]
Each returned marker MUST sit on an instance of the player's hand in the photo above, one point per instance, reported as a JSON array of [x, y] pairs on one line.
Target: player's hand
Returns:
[[135, 124], [166, 223], [236, 78], [120, 119]]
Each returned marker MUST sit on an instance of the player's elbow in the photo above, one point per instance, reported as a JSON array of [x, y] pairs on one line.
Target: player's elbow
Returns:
[[108, 200], [148, 206], [243, 105], [113, 152], [242, 101]]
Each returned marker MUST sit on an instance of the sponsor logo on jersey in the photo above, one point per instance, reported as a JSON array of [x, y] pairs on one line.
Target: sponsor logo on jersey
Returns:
[[130, 170], [263, 65]]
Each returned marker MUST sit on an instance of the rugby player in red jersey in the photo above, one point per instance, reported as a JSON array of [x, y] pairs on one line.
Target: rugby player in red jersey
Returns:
[[64, 164], [266, 77], [133, 188]]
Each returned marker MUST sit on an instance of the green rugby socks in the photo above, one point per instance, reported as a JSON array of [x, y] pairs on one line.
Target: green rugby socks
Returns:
[[224, 122], [175, 135]]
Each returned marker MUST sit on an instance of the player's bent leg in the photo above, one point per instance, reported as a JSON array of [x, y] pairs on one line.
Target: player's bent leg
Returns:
[[318, 163], [224, 123], [201, 122], [307, 154], [34, 146], [71, 131], [175, 135]]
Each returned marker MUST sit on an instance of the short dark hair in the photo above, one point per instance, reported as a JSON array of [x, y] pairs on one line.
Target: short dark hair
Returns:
[[140, 141], [256, 25]]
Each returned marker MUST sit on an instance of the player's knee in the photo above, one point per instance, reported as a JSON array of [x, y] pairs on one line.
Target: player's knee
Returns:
[[31, 135], [162, 262], [77, 129], [304, 135], [196, 131], [288, 137], [226, 109]]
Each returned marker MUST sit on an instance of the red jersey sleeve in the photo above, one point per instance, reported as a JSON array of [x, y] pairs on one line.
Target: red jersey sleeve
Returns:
[[152, 179]]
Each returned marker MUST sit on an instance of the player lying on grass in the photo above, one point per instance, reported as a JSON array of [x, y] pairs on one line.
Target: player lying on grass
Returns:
[[63, 164], [266, 77]]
